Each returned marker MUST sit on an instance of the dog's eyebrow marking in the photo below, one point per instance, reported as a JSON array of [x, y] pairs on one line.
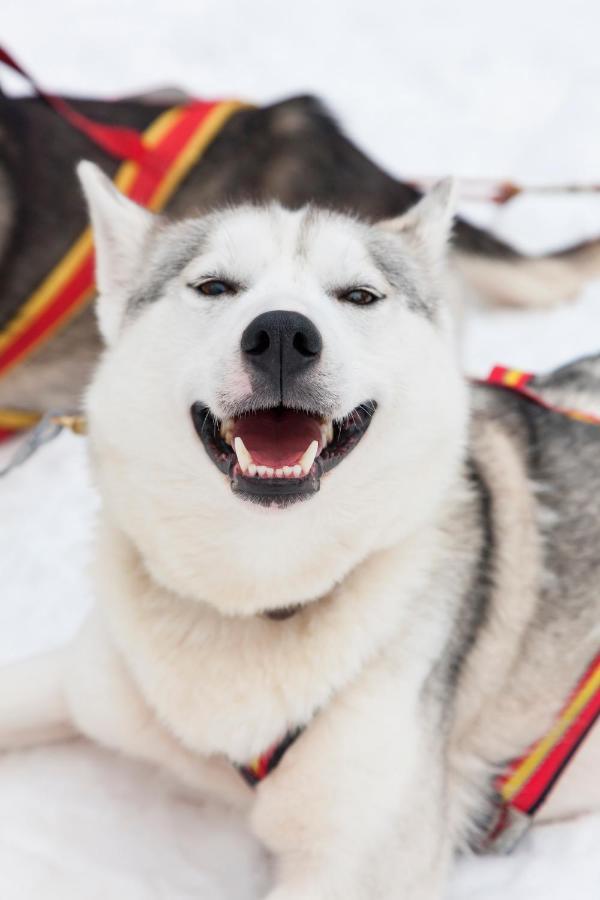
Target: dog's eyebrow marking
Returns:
[[309, 219], [177, 246], [391, 267]]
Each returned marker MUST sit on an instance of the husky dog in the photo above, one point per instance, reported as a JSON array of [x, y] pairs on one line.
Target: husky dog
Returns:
[[292, 151], [310, 521]]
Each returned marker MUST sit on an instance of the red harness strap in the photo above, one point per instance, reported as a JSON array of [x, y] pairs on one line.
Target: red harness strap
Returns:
[[257, 770], [527, 782], [122, 143], [517, 380]]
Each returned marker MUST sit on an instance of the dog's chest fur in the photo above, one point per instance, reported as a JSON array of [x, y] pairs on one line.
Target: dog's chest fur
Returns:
[[235, 685]]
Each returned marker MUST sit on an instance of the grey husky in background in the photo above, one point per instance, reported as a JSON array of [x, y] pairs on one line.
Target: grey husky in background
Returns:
[[311, 521], [291, 151]]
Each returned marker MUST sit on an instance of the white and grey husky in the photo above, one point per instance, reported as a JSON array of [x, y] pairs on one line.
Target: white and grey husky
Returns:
[[318, 546]]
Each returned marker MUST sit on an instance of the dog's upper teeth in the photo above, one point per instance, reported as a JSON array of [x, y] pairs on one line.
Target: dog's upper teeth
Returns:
[[308, 457], [327, 432], [243, 456], [227, 431]]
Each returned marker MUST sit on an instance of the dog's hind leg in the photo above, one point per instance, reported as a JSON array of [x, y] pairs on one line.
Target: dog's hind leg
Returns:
[[33, 708], [530, 281]]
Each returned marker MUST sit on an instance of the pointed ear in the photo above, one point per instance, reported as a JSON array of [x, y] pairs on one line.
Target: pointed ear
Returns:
[[428, 224], [120, 230]]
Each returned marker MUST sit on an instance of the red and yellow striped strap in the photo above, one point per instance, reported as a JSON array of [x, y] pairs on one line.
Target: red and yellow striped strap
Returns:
[[174, 142], [518, 381], [261, 766], [528, 780]]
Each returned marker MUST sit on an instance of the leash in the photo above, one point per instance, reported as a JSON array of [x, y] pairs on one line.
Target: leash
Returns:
[[122, 143], [155, 163], [490, 190], [48, 427]]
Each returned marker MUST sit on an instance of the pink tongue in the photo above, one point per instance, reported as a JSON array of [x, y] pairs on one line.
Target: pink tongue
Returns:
[[277, 437]]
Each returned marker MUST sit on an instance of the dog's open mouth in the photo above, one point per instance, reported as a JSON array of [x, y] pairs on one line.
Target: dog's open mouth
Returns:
[[277, 456]]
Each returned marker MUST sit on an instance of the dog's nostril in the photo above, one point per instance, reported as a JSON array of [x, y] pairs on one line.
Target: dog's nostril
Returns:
[[303, 344], [260, 344]]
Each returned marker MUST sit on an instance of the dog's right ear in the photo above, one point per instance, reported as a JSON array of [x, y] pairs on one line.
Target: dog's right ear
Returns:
[[121, 228], [427, 224]]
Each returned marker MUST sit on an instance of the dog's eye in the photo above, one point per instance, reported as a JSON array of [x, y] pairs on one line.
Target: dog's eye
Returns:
[[214, 287], [360, 296]]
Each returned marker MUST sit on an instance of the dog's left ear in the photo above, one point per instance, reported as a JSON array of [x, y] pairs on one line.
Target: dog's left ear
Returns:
[[428, 224], [121, 229]]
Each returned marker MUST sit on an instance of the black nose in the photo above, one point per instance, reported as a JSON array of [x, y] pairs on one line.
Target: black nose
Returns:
[[281, 345]]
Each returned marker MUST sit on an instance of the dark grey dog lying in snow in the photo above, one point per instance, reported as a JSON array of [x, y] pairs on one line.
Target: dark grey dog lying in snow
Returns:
[[292, 152]]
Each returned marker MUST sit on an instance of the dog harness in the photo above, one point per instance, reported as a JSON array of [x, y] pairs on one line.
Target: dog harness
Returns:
[[155, 163]]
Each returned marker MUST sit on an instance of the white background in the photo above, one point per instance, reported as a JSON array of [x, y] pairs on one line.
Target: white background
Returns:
[[433, 87]]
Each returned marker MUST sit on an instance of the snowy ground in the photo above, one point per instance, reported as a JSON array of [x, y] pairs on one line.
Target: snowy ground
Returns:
[[429, 87]]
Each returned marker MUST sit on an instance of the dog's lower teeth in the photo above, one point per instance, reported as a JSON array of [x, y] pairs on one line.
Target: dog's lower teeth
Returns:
[[250, 469]]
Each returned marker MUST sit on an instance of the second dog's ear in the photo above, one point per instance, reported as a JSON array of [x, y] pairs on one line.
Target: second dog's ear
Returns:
[[428, 224], [120, 229]]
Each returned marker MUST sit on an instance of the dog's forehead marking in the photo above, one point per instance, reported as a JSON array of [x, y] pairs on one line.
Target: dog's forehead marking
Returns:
[[392, 263], [171, 249], [249, 240]]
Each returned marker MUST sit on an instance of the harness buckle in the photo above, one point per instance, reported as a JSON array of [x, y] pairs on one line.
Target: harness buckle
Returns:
[[508, 829]]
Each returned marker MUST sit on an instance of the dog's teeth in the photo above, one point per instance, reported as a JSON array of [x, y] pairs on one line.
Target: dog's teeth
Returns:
[[297, 471], [308, 458], [287, 471], [262, 471], [270, 472], [327, 432], [243, 457], [227, 430], [252, 469], [279, 473]]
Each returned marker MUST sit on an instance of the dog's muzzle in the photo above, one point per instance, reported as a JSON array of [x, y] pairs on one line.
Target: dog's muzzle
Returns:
[[278, 447]]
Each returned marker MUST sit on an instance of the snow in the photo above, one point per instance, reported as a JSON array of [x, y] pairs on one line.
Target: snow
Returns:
[[427, 88]]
